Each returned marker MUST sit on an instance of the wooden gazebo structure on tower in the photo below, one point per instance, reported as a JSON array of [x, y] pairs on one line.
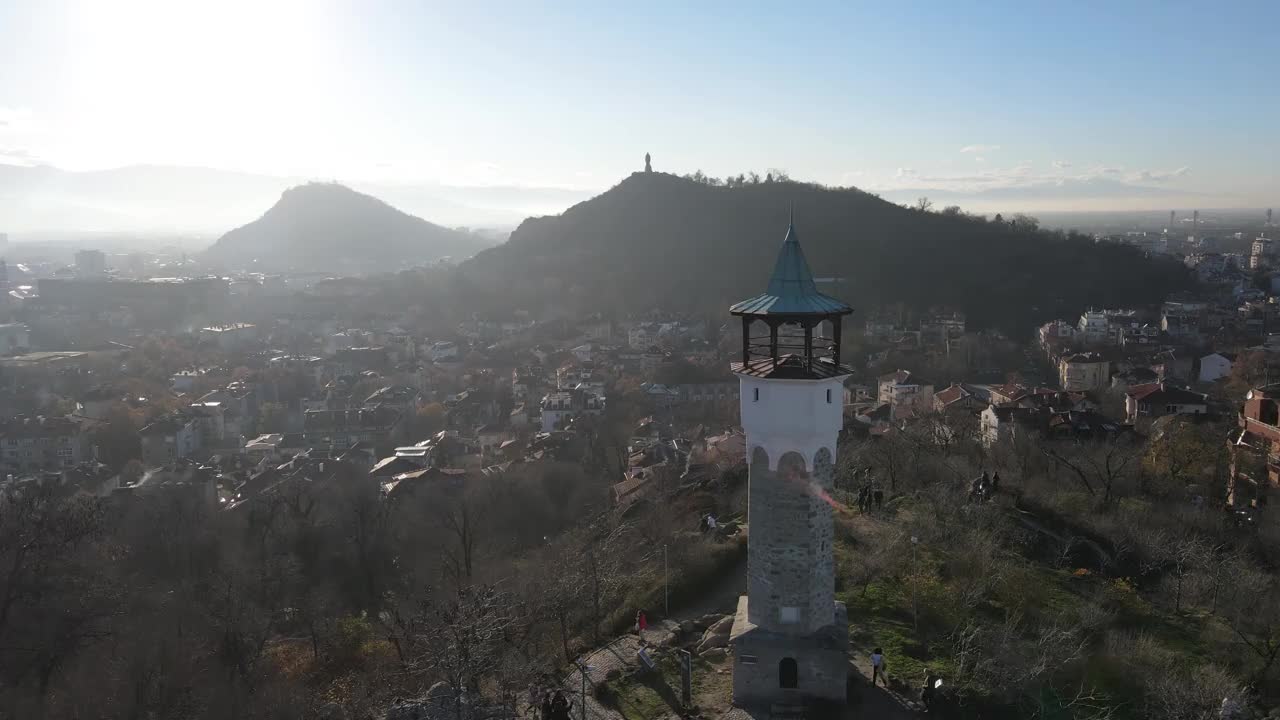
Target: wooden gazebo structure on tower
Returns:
[[792, 309]]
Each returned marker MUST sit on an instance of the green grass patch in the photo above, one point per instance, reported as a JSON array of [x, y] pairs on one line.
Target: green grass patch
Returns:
[[635, 700], [880, 618]]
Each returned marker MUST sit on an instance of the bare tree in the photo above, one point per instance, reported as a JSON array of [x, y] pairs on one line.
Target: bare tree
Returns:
[[1099, 466], [923, 204], [1179, 556], [459, 639], [458, 519], [38, 527], [1255, 619], [559, 592]]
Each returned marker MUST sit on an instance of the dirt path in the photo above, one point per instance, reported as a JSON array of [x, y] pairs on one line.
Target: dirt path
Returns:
[[877, 701], [618, 655]]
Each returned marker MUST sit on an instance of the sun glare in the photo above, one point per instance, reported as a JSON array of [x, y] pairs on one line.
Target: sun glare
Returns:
[[159, 78]]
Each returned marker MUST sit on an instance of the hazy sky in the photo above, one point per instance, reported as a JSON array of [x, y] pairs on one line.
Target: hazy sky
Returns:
[[1177, 98]]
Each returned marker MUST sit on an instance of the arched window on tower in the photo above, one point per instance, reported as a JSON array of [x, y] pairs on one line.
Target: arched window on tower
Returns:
[[788, 673]]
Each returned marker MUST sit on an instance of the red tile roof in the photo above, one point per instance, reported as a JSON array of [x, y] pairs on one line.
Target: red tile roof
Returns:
[[952, 394], [898, 376], [1159, 393]]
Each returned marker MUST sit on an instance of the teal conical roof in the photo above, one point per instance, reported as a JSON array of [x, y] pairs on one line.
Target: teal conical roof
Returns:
[[791, 290], [791, 274]]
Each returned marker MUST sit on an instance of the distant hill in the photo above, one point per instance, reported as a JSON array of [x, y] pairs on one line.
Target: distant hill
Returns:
[[207, 201], [657, 240], [325, 226]]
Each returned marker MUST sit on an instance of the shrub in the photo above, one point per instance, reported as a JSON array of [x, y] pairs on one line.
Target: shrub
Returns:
[[350, 637]]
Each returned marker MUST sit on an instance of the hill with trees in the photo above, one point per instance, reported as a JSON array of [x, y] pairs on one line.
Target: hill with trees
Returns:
[[326, 226], [698, 244]]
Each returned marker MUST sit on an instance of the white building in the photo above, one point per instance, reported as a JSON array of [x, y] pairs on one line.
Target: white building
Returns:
[[1083, 372], [1215, 366], [444, 351], [559, 407], [308, 364], [1056, 331], [1092, 327], [184, 381], [264, 447], [905, 393], [170, 438], [1263, 254], [231, 336], [642, 336]]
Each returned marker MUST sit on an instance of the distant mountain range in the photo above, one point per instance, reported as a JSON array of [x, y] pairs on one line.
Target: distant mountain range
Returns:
[[167, 199], [657, 240], [1060, 194], [326, 226]]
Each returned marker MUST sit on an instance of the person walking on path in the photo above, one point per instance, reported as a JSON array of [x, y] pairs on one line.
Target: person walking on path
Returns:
[[877, 668], [560, 707], [642, 624], [534, 694]]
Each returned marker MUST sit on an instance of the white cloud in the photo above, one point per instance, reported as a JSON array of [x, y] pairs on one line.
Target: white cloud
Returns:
[[979, 149], [18, 156], [1157, 176], [1061, 164], [904, 172], [15, 118]]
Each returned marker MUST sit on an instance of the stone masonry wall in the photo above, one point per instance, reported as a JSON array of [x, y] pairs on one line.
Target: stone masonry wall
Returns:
[[789, 556], [822, 584]]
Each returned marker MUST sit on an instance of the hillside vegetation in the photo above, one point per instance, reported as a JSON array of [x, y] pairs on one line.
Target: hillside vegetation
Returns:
[[657, 240]]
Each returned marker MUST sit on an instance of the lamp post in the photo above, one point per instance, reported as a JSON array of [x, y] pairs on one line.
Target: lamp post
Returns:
[[915, 580], [666, 589], [582, 669]]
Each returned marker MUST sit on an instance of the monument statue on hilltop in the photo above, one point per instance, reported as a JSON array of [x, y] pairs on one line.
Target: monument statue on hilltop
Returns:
[[647, 167]]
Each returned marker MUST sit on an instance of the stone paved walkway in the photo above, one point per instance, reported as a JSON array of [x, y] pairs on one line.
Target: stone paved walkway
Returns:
[[620, 655]]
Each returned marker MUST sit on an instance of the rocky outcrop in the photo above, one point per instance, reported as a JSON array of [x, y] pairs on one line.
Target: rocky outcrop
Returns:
[[716, 636]]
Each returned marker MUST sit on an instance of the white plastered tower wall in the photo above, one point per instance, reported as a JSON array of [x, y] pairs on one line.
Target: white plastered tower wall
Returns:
[[789, 425]]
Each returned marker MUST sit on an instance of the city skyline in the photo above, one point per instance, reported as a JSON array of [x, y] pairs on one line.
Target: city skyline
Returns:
[[998, 107]]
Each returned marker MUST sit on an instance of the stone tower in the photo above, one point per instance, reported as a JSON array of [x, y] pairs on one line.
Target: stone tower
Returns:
[[790, 636]]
